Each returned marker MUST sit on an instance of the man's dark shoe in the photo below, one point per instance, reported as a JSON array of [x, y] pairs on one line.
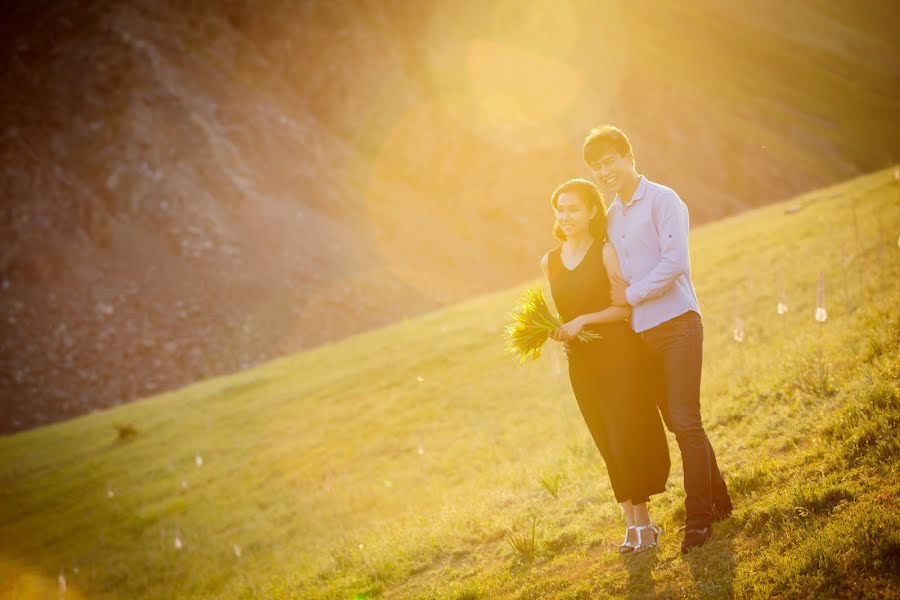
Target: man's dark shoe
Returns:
[[722, 510], [694, 538]]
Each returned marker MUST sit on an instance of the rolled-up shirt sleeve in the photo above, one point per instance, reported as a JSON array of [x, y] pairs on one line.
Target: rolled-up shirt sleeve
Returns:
[[673, 223]]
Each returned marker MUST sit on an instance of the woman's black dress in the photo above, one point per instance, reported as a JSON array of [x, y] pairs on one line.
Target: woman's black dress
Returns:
[[609, 381]]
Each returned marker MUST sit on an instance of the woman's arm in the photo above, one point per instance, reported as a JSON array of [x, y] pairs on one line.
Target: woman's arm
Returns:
[[617, 281], [555, 334], [611, 314]]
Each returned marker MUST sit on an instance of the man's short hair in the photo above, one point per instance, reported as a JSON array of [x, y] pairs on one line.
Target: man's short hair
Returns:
[[604, 139]]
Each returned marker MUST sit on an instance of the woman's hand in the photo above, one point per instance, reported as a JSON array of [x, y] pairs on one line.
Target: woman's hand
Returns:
[[571, 329]]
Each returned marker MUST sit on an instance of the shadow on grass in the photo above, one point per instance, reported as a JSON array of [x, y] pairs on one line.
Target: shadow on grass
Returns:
[[712, 566], [640, 575]]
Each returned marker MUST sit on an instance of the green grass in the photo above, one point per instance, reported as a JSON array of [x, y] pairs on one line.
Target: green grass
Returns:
[[401, 462]]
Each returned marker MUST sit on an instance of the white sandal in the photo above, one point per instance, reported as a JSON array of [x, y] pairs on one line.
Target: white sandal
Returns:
[[628, 547], [641, 546]]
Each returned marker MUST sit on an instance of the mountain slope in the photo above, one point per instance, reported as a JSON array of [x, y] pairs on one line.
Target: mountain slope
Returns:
[[391, 464]]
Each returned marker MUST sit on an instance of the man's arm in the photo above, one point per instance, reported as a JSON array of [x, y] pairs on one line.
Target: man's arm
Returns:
[[673, 223]]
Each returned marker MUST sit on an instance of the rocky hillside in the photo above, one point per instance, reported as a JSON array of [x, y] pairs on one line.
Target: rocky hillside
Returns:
[[191, 188]]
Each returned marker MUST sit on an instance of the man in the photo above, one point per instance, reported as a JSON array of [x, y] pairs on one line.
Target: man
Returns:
[[648, 226]]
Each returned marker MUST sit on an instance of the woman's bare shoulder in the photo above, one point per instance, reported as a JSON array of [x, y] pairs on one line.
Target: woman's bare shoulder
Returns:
[[546, 258]]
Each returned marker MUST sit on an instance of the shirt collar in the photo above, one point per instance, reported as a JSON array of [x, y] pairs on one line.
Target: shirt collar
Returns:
[[638, 193]]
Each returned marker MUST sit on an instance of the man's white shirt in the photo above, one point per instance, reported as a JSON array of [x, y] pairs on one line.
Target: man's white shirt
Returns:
[[650, 235]]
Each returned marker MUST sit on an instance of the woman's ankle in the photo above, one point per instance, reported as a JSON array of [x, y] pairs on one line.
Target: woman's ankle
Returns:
[[641, 519]]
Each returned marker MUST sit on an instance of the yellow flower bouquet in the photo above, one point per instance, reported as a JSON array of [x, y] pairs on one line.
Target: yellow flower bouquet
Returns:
[[531, 325]]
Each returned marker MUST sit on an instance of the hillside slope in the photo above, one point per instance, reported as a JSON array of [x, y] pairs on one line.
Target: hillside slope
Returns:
[[189, 189], [393, 463]]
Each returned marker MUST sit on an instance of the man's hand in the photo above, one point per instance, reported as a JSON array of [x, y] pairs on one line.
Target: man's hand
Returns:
[[617, 291]]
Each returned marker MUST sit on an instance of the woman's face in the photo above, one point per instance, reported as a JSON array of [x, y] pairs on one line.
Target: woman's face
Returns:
[[572, 214]]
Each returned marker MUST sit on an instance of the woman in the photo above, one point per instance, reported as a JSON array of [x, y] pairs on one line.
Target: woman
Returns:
[[606, 374]]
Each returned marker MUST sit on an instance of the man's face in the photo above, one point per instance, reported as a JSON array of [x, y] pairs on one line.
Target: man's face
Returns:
[[612, 170]]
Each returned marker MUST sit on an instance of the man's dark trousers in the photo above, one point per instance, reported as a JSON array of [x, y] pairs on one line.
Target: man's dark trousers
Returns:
[[675, 353]]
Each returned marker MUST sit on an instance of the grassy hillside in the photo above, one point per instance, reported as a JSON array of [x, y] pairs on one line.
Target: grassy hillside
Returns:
[[394, 464]]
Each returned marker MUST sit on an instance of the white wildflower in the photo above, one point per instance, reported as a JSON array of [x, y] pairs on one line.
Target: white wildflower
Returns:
[[738, 330], [821, 315]]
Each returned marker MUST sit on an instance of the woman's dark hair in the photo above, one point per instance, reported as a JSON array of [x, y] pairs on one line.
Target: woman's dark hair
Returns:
[[591, 196]]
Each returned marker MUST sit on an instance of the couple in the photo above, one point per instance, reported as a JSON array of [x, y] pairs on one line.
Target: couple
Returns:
[[624, 272]]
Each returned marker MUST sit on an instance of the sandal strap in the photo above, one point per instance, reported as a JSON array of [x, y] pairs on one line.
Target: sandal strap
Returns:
[[628, 528], [656, 531]]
